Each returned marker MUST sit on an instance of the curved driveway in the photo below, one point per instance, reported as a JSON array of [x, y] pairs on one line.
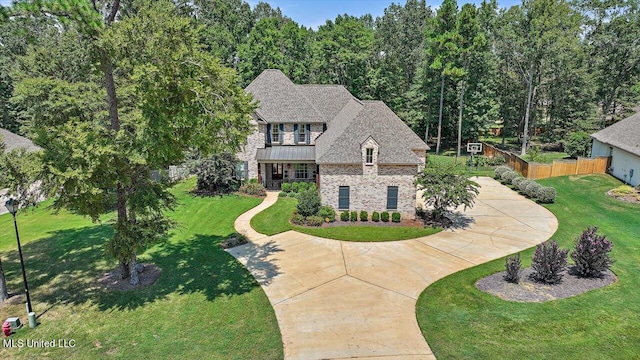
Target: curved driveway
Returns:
[[338, 299]]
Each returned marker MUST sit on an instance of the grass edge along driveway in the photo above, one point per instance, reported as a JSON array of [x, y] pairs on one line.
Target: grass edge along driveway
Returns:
[[205, 305], [275, 219], [461, 322]]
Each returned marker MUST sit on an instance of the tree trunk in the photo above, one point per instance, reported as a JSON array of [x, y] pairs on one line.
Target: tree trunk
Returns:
[[124, 270], [526, 113], [133, 270], [426, 132], [4, 295], [440, 116], [460, 105]]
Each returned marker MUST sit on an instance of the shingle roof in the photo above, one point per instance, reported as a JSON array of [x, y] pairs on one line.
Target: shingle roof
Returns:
[[13, 141], [328, 99], [341, 144], [625, 134], [286, 153]]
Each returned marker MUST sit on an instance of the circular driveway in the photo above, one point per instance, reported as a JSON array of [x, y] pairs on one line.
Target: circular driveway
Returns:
[[338, 299]]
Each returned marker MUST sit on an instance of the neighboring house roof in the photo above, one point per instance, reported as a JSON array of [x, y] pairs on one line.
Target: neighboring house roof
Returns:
[[14, 141], [286, 153], [342, 144], [625, 134]]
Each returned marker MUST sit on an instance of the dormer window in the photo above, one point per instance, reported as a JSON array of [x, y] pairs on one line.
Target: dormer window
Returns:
[[369, 156]]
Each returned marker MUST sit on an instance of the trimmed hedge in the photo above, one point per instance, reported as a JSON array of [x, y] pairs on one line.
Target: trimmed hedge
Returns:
[[364, 216], [375, 216], [344, 216], [285, 187], [515, 182], [522, 186], [508, 176], [501, 170], [384, 216], [396, 217], [532, 189], [546, 195], [327, 213], [353, 216]]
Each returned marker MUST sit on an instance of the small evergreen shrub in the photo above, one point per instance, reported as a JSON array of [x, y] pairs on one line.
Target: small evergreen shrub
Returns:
[[314, 220], [282, 194], [496, 160], [285, 187], [375, 216], [253, 189], [298, 219], [546, 195], [293, 194], [591, 253], [396, 217], [253, 181], [548, 262], [308, 203], [303, 186], [515, 182], [501, 170], [384, 216], [364, 216], [532, 189], [522, 186], [294, 187], [344, 216], [353, 216], [623, 190], [513, 269], [508, 176], [327, 213], [313, 187]]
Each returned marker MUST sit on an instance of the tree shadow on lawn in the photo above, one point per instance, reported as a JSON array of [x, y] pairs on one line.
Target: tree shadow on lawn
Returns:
[[64, 267]]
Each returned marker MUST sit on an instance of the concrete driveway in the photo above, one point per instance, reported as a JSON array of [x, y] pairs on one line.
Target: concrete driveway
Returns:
[[338, 299]]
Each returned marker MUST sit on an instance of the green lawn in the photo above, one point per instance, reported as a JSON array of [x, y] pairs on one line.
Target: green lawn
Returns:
[[205, 305], [461, 164], [275, 219], [461, 322]]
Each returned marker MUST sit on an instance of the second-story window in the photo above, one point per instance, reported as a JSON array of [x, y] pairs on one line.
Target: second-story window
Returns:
[[302, 133], [275, 133], [369, 157]]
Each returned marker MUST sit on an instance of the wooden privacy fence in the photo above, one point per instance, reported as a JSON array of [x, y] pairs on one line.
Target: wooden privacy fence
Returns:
[[581, 166]]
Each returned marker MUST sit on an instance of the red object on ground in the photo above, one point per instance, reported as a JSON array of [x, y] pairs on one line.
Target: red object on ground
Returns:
[[6, 329]]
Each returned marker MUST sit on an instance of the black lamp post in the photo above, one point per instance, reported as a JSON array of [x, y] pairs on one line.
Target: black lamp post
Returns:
[[12, 206]]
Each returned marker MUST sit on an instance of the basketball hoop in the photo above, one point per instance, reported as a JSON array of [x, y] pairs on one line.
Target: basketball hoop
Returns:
[[474, 148]]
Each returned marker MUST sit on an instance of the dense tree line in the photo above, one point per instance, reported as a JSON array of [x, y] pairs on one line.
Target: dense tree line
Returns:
[[546, 66]]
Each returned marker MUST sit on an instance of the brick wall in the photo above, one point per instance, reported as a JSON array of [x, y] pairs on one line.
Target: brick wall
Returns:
[[255, 141]]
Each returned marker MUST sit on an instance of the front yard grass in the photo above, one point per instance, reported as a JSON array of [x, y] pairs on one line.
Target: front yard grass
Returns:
[[461, 322], [205, 304], [275, 219]]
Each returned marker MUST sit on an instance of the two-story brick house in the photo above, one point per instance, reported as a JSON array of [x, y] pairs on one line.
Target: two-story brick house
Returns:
[[361, 155]]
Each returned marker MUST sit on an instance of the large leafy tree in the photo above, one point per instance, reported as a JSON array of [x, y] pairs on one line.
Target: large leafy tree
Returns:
[[154, 95]]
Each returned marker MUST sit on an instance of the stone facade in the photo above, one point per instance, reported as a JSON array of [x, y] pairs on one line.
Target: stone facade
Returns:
[[371, 169], [289, 134], [369, 193], [255, 141]]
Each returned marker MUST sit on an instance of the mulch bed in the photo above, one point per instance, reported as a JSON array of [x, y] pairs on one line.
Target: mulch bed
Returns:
[[112, 281], [402, 223], [632, 198], [530, 291]]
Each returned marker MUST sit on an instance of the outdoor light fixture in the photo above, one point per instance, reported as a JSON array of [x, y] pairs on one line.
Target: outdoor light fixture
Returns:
[[12, 206]]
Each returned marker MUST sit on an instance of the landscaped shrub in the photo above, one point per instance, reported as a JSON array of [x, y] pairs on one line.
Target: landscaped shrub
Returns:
[[293, 194], [384, 216], [548, 262], [234, 240], [395, 217], [522, 186], [353, 216], [375, 216], [501, 170], [496, 160], [591, 253], [532, 189], [623, 190], [294, 187], [285, 187], [507, 176], [327, 213], [364, 216], [546, 195], [344, 216], [253, 189], [303, 186], [516, 181], [298, 219], [313, 187], [282, 194], [513, 269], [308, 203], [314, 220]]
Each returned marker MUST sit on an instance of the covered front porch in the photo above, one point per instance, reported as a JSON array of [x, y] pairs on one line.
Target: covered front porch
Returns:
[[280, 164]]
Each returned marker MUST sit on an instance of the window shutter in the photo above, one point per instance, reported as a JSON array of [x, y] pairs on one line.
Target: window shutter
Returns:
[[343, 197], [281, 132], [296, 132], [308, 133], [392, 197], [268, 133], [246, 171], [324, 127]]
